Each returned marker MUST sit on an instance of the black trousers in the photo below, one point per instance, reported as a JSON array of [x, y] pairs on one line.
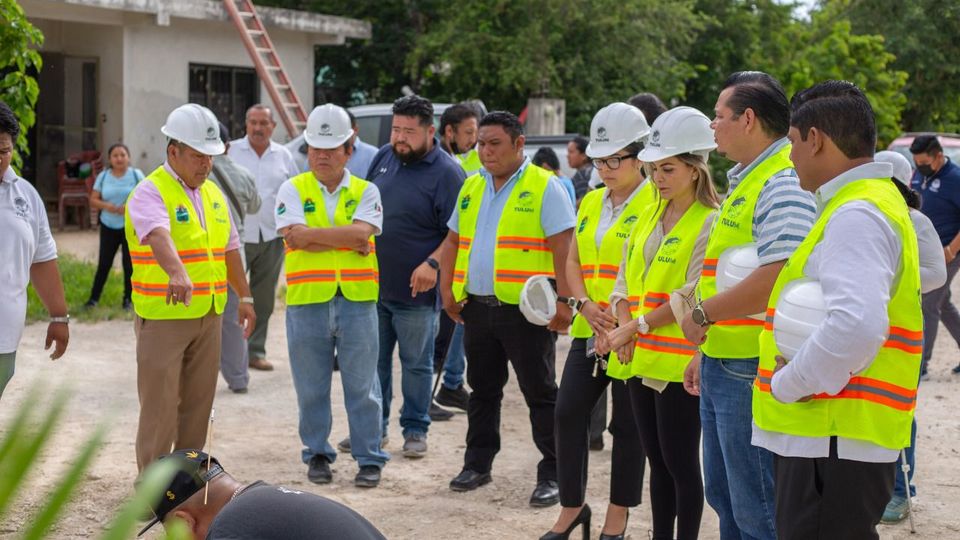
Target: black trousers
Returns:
[[492, 336], [830, 497], [441, 345], [669, 426], [110, 241], [580, 391]]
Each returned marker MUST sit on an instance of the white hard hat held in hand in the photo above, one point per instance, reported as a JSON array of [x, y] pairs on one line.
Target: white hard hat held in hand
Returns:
[[734, 265], [681, 130], [195, 126], [538, 300], [615, 127], [800, 310], [902, 169], [328, 126]]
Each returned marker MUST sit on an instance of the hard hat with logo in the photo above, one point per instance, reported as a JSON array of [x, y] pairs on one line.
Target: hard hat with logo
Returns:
[[615, 127], [735, 264], [538, 300], [800, 310], [902, 170], [681, 130], [328, 126], [195, 126]]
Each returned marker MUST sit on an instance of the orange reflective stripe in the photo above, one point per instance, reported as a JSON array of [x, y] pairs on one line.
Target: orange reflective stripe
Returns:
[[587, 271], [524, 243], [459, 276], [865, 388], [905, 340], [358, 275], [517, 276], [709, 268], [608, 271], [310, 276], [634, 302], [655, 299], [160, 289], [666, 344], [768, 321]]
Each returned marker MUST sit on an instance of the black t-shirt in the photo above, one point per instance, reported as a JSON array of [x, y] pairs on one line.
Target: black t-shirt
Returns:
[[265, 512]]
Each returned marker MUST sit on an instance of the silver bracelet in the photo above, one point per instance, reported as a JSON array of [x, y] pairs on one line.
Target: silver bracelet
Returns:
[[65, 319], [246, 300]]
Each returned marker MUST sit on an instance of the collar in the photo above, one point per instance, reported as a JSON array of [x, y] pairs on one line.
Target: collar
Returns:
[[344, 182], [607, 195], [9, 177], [739, 172], [489, 177], [173, 173], [867, 170], [245, 143]]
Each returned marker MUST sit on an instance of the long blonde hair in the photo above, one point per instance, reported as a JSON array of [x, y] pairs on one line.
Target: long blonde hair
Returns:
[[706, 192]]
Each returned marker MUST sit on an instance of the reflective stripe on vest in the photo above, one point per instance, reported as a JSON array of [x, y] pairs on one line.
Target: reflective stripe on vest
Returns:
[[599, 267], [521, 248], [877, 404], [663, 353], [202, 252], [736, 338], [313, 277]]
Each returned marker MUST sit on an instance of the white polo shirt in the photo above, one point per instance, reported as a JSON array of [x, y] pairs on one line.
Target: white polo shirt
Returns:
[[368, 209], [271, 170], [25, 239]]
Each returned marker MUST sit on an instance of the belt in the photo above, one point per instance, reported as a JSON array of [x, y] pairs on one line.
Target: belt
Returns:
[[491, 301]]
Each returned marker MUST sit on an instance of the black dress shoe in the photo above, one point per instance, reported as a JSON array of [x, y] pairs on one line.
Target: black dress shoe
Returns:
[[582, 519], [547, 493], [617, 536], [368, 477], [318, 470], [469, 480], [438, 413], [458, 398]]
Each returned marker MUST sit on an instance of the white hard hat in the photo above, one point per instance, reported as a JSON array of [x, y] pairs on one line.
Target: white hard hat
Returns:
[[195, 126], [734, 265], [800, 311], [615, 127], [681, 130], [538, 300], [328, 126], [902, 170]]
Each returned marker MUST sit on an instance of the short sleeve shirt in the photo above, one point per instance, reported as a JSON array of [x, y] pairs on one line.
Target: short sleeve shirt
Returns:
[[115, 190], [25, 241], [289, 209], [940, 196], [271, 170]]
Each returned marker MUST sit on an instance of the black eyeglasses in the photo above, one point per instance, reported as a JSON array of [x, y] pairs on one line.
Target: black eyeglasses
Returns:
[[612, 163]]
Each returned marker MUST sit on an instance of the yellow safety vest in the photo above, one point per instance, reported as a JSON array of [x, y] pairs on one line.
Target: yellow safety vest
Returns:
[[663, 353], [202, 251], [599, 267], [470, 161], [877, 404], [521, 250], [736, 338], [313, 277]]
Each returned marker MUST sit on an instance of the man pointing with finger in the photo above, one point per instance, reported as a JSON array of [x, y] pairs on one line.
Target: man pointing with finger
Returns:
[[184, 249]]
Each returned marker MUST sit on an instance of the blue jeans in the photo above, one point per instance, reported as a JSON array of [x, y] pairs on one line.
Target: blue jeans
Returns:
[[412, 329], [455, 364], [738, 477], [313, 331]]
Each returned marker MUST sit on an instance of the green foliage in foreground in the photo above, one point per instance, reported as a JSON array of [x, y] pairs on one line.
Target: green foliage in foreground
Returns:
[[77, 279]]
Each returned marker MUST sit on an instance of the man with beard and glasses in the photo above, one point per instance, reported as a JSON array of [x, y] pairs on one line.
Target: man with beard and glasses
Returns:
[[418, 184]]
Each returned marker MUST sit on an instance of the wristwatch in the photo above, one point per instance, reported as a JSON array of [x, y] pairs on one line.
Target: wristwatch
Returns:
[[433, 263], [65, 319], [642, 326], [246, 300], [700, 316], [580, 303]]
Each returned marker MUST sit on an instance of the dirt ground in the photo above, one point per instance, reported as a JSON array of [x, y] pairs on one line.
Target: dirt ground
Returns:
[[255, 437]]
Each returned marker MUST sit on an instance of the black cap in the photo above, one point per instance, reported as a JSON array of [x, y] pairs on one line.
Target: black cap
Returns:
[[192, 476]]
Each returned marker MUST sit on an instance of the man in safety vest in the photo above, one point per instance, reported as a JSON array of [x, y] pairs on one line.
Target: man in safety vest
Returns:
[[458, 137], [838, 412], [765, 208], [513, 220], [185, 251], [328, 218]]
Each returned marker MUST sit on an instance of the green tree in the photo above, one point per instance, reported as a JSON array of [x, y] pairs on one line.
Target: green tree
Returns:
[[589, 53], [18, 59]]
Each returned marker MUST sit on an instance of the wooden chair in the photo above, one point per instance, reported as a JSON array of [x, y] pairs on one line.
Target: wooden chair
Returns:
[[73, 192]]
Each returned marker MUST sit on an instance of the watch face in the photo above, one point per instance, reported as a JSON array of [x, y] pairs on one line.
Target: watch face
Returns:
[[698, 316]]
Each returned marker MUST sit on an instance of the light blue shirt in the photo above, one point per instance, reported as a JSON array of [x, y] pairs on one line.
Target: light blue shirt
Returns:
[[568, 185], [556, 216], [115, 191], [359, 162]]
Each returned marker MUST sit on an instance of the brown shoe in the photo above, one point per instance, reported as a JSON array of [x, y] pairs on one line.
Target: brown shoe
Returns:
[[262, 364]]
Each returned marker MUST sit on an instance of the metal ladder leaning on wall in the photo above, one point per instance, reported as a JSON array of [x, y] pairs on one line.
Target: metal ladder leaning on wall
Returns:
[[267, 62]]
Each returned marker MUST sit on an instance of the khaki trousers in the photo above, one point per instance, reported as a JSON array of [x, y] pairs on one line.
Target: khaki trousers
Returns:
[[177, 366]]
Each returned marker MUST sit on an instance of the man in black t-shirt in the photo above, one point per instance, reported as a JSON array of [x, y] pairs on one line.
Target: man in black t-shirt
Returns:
[[256, 511]]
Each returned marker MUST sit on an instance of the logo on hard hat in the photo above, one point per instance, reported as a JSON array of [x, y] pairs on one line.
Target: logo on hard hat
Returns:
[[602, 135], [655, 138], [211, 133], [324, 129]]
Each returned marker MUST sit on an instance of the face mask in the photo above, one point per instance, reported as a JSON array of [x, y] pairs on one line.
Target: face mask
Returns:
[[925, 170]]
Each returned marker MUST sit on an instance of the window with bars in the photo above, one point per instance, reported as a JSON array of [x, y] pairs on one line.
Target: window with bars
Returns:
[[227, 91]]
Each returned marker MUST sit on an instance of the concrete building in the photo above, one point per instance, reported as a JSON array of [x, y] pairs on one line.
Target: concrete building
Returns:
[[113, 69]]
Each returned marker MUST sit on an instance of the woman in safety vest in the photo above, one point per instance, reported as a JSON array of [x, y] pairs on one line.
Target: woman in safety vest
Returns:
[[662, 261], [604, 222]]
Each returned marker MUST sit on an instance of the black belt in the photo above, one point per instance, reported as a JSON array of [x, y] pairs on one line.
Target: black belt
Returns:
[[491, 301]]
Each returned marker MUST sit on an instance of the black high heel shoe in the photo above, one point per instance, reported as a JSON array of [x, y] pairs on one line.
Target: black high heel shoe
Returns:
[[582, 519], [617, 536]]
